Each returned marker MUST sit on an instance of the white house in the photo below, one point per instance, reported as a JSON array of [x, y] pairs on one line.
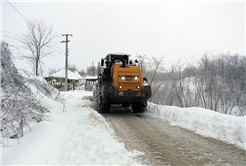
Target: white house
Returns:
[[74, 79]]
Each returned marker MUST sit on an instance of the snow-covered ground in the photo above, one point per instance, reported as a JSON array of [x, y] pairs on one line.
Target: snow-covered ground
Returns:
[[228, 128], [75, 134], [79, 136]]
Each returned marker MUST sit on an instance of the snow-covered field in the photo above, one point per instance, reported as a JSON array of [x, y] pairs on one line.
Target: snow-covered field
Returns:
[[79, 136]]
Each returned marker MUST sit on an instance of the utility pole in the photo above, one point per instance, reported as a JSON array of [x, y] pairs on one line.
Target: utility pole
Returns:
[[92, 69], [66, 57]]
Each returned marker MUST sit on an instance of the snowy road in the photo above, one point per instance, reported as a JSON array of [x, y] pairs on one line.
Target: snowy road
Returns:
[[78, 135], [163, 144]]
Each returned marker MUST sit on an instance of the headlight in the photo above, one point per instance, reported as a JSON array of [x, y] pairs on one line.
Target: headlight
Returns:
[[121, 93], [122, 78], [136, 78]]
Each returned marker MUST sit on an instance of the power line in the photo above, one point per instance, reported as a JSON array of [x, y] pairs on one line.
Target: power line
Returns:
[[18, 11], [58, 47], [97, 16], [79, 16], [9, 32], [88, 15]]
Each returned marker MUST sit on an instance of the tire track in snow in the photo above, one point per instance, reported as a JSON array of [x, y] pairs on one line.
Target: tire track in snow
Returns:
[[221, 152], [163, 144]]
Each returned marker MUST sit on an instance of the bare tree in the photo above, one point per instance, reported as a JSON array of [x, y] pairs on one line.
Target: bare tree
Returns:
[[215, 82], [51, 71], [72, 66], [91, 71], [38, 42], [82, 72], [154, 69]]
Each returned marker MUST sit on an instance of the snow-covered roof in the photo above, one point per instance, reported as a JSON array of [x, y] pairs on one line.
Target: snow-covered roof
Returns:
[[117, 53], [70, 75], [90, 77]]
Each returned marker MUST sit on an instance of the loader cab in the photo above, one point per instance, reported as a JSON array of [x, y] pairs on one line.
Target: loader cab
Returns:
[[111, 59]]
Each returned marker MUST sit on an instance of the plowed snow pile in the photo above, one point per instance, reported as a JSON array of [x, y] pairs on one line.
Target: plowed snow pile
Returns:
[[231, 129], [79, 136]]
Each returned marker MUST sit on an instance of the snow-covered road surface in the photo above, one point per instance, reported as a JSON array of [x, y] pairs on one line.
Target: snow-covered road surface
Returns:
[[163, 144]]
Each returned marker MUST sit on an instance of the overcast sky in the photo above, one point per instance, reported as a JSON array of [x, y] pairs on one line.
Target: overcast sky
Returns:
[[174, 29]]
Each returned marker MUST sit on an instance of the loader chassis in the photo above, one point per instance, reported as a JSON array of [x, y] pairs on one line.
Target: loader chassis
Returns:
[[121, 83]]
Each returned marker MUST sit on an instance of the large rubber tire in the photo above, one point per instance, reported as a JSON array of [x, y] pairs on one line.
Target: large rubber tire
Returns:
[[126, 104], [102, 106], [94, 94], [139, 107]]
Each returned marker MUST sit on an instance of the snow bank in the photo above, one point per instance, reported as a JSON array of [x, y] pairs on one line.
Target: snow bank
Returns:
[[88, 140], [79, 136], [231, 129], [35, 147]]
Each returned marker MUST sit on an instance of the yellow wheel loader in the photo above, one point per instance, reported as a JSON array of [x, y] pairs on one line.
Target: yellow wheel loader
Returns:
[[120, 82]]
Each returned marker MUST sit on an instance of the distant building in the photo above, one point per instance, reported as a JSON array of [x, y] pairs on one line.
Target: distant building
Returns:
[[74, 79], [90, 81]]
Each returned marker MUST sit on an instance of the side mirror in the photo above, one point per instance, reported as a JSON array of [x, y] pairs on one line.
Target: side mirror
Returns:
[[102, 62], [145, 79]]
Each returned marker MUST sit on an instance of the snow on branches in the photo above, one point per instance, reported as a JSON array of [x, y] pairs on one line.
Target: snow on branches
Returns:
[[19, 105]]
